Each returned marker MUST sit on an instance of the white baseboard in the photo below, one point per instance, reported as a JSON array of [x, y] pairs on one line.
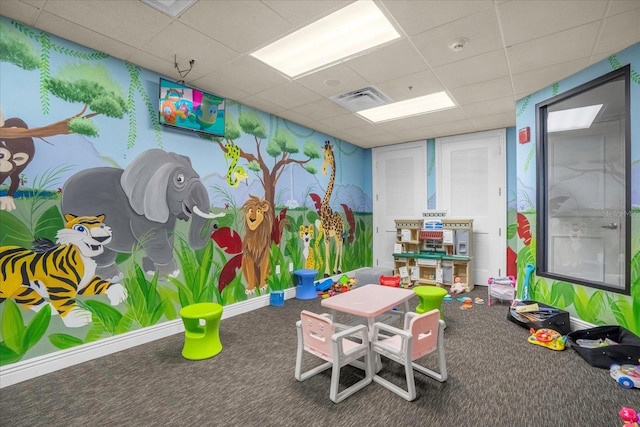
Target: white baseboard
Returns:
[[578, 324], [41, 365]]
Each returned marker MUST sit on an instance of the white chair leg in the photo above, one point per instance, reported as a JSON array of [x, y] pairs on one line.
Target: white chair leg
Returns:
[[406, 394], [299, 375], [337, 397]]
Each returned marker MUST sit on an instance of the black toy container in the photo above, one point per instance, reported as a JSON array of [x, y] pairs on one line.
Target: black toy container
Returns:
[[547, 317], [627, 351]]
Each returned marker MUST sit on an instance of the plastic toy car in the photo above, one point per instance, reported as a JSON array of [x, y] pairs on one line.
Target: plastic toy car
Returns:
[[628, 376], [547, 338]]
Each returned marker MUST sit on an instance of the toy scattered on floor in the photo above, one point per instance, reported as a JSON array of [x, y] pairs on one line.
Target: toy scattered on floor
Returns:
[[478, 300], [458, 286], [467, 303], [630, 417], [627, 376], [595, 343], [324, 286], [548, 338], [448, 297], [329, 288]]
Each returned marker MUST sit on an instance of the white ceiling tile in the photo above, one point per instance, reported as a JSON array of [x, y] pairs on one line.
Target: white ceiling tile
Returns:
[[362, 131], [620, 6], [168, 43], [301, 13], [241, 25], [612, 38], [571, 44], [21, 11], [262, 104], [250, 74], [494, 121], [411, 86], [418, 16], [531, 81], [68, 30], [389, 62], [421, 133], [527, 20], [288, 95], [144, 60], [294, 117], [349, 80], [454, 128], [494, 106], [481, 31], [491, 89], [320, 110], [488, 66], [377, 139], [346, 121], [131, 22]]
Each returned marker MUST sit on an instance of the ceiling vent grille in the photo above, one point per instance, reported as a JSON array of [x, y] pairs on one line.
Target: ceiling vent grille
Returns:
[[361, 99]]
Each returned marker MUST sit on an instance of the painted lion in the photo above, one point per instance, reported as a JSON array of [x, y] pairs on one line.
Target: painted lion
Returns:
[[258, 215]]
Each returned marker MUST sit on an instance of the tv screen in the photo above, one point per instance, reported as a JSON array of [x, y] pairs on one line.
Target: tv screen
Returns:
[[184, 107]]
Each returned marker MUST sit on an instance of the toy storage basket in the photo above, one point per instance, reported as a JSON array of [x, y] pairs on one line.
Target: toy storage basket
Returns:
[[547, 317], [626, 352]]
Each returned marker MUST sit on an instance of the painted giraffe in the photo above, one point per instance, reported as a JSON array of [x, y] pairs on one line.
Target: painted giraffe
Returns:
[[332, 224], [306, 234]]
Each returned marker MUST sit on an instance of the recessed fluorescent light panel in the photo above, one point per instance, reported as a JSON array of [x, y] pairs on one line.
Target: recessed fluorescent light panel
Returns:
[[410, 107], [573, 118], [353, 29]]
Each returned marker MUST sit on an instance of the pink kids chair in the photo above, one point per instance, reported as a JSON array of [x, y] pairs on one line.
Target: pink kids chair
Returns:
[[317, 335], [422, 334]]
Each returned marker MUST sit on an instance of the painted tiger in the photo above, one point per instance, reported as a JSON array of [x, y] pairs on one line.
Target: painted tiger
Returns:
[[60, 271]]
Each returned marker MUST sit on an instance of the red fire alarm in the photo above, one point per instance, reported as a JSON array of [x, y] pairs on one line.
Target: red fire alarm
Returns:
[[524, 135]]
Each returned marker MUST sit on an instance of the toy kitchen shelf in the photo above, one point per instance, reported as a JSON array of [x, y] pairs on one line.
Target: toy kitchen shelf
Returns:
[[434, 252]]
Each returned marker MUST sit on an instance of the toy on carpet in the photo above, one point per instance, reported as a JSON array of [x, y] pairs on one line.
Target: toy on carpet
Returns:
[[627, 376], [548, 338], [393, 281], [467, 303], [630, 417], [328, 288], [458, 286]]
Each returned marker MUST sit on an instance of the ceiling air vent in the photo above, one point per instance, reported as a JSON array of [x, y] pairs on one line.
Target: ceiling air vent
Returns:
[[361, 99]]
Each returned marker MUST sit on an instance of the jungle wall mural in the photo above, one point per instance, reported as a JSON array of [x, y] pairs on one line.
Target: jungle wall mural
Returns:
[[110, 222], [594, 306]]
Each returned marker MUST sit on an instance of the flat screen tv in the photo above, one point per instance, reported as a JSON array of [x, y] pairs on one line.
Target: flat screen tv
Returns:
[[184, 107]]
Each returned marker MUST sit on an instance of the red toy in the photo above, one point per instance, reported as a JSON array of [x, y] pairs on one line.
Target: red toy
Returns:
[[629, 416], [393, 281]]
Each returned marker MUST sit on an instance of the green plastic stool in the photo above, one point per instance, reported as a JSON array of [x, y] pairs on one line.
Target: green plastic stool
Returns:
[[430, 298], [201, 330]]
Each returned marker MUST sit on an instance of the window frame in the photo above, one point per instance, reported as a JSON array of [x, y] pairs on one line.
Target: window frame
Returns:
[[542, 170]]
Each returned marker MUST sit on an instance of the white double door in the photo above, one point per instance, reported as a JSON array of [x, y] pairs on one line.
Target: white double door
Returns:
[[470, 184]]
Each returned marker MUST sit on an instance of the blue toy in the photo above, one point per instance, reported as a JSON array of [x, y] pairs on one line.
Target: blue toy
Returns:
[[324, 286]]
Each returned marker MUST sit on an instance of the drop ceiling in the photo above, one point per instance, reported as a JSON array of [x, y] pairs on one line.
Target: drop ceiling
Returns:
[[514, 48]]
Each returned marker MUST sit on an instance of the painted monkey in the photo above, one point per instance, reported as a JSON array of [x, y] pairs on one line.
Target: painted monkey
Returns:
[[15, 155]]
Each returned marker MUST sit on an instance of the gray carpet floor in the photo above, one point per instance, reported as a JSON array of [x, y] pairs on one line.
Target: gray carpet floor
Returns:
[[495, 378]]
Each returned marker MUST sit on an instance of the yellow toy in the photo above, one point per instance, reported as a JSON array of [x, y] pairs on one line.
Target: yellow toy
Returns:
[[547, 338]]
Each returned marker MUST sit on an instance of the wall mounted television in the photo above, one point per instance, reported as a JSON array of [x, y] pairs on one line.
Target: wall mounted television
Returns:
[[185, 107]]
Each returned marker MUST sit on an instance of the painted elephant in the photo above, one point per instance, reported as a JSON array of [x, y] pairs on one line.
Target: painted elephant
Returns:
[[141, 204]]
